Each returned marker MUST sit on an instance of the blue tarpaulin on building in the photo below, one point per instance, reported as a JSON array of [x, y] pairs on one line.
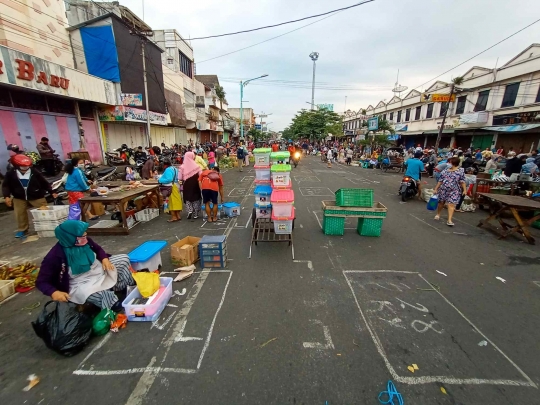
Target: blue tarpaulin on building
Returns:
[[100, 52]]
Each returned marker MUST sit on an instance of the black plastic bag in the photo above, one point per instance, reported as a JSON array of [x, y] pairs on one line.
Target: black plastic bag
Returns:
[[63, 328], [58, 201]]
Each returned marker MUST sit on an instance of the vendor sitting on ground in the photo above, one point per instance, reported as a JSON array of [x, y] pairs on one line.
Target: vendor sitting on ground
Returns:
[[78, 270]]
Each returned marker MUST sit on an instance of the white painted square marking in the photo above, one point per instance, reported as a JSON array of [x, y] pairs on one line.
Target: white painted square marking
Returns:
[[247, 179], [300, 179], [411, 325], [238, 192], [316, 191]]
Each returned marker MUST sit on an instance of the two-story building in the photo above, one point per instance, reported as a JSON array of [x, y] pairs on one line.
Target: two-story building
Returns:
[[493, 108]]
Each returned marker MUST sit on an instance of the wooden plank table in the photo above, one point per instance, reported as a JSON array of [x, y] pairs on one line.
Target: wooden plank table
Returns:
[[514, 204], [119, 198]]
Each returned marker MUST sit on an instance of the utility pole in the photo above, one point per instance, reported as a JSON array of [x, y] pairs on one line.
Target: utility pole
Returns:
[[441, 128], [241, 111], [146, 101], [314, 56]]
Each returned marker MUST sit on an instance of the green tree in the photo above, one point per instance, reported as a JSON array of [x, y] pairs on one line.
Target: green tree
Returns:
[[257, 135], [314, 124], [220, 94]]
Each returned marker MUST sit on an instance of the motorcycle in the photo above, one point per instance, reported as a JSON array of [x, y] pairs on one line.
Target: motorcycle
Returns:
[[408, 188], [296, 158], [57, 186], [110, 173]]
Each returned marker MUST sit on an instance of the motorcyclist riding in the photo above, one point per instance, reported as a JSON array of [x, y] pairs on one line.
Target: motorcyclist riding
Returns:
[[415, 167]]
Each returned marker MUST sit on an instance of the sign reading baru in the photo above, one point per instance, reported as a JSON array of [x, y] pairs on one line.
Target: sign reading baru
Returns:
[[26, 71], [437, 98]]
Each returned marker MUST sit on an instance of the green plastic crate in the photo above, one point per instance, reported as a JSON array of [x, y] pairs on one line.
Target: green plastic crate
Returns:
[[333, 225], [369, 226], [357, 212], [354, 197]]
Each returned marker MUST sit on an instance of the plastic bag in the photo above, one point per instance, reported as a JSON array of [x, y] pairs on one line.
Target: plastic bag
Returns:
[[74, 212], [102, 322], [63, 328], [147, 283], [433, 202]]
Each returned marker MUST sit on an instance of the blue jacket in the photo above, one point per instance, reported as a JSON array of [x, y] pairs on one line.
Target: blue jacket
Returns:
[[76, 181]]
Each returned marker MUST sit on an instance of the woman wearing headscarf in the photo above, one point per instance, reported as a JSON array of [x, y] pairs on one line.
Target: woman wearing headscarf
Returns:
[[78, 270], [492, 163], [170, 189], [190, 171]]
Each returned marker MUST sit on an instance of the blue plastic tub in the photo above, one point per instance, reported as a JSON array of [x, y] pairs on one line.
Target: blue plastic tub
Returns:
[[262, 195], [232, 209], [147, 255]]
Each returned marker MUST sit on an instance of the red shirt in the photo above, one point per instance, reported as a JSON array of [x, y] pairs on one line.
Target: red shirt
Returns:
[[275, 147]]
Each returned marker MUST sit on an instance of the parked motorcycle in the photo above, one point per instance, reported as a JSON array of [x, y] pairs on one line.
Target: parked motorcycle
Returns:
[[57, 186], [408, 188]]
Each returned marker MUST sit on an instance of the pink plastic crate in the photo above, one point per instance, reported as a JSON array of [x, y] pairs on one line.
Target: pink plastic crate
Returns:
[[282, 202]]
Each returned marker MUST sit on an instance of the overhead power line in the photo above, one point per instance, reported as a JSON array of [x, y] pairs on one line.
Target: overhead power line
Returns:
[[283, 23], [480, 53], [270, 39]]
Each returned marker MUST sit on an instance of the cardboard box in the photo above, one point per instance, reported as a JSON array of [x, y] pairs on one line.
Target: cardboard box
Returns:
[[185, 251], [98, 209]]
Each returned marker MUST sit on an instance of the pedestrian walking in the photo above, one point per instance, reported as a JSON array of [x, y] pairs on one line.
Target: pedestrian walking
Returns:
[[211, 158], [192, 192], [169, 188], [240, 156], [330, 156], [22, 187], [349, 156], [211, 182], [450, 188]]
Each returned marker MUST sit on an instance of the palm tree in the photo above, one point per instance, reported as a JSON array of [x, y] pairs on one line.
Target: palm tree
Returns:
[[220, 94]]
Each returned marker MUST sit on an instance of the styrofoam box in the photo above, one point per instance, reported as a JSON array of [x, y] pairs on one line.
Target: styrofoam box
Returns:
[[46, 234], [281, 178], [47, 225], [52, 213], [262, 174], [148, 313], [7, 289]]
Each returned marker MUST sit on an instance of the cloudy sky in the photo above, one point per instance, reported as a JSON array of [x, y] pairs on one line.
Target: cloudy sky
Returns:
[[360, 49]]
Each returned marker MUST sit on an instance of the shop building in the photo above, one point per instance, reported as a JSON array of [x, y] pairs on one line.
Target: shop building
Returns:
[[112, 45], [492, 108], [215, 108]]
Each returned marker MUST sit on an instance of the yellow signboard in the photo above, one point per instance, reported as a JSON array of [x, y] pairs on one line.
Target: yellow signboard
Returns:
[[437, 98]]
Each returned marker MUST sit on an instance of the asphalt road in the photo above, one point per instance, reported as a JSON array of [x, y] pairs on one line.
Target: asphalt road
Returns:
[[332, 326]]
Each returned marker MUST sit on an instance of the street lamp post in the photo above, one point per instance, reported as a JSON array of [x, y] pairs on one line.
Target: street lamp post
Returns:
[[242, 85], [314, 56]]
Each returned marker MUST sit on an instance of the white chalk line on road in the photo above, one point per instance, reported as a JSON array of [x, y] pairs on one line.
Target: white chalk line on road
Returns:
[[431, 379], [431, 226]]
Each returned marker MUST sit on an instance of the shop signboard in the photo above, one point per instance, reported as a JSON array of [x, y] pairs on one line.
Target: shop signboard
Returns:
[[124, 113], [131, 99], [517, 118], [373, 123], [401, 127], [329, 107], [437, 98], [29, 72]]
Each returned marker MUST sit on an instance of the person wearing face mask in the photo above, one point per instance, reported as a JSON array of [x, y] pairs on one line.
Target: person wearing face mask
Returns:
[[77, 183], [28, 188], [78, 270]]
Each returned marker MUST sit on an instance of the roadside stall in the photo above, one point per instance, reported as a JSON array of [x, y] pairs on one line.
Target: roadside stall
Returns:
[[119, 195]]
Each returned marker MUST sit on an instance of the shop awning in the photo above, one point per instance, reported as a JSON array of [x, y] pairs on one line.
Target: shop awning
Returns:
[[436, 131], [411, 133], [512, 128]]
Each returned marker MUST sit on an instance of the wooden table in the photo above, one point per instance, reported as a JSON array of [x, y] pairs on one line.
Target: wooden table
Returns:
[[514, 204], [119, 198]]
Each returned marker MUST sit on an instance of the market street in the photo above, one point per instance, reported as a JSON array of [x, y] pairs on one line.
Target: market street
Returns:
[[347, 315]]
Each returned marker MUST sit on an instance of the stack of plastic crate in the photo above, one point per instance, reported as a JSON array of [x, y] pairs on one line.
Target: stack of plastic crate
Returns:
[[213, 251], [46, 220]]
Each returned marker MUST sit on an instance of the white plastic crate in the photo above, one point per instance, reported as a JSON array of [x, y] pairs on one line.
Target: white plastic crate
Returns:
[[262, 211], [47, 225], [283, 227], [262, 174], [148, 312], [262, 159], [7, 289], [46, 234], [53, 212], [147, 214]]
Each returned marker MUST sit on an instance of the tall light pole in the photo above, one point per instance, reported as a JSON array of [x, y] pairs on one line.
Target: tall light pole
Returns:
[[242, 85], [314, 56]]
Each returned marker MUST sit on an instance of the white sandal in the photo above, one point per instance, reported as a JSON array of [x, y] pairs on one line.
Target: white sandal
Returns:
[[437, 217], [450, 223]]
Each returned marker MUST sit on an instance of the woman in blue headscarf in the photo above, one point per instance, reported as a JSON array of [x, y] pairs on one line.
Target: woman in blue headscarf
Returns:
[[78, 270]]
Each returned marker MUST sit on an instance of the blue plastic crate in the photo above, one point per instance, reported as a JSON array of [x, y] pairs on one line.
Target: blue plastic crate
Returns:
[[147, 255], [212, 242]]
